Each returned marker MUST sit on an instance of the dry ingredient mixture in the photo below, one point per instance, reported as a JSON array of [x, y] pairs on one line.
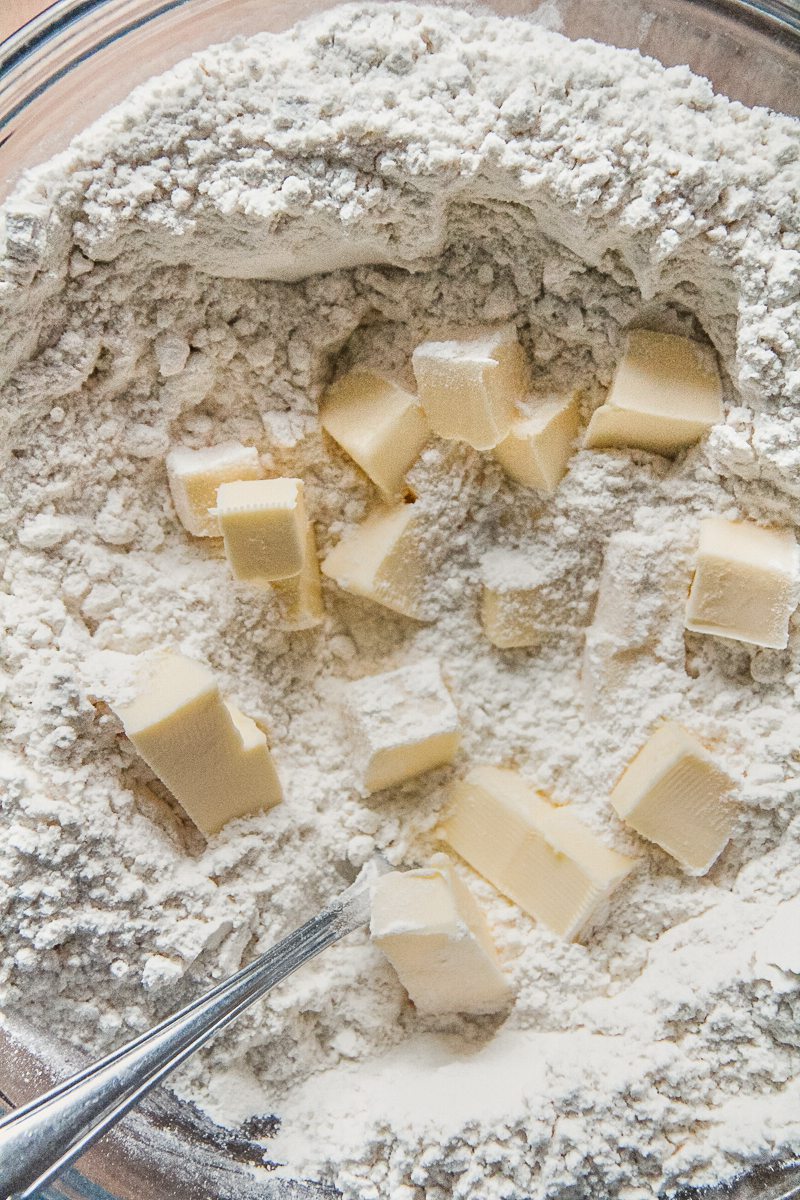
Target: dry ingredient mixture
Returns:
[[195, 268]]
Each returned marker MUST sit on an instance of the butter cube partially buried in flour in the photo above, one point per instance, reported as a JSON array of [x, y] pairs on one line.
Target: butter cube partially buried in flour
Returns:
[[381, 426], [538, 855], [265, 528], [429, 926], [469, 385], [213, 758], [672, 793], [300, 597], [537, 448], [523, 600], [195, 475], [745, 585], [380, 560], [400, 724], [665, 394]]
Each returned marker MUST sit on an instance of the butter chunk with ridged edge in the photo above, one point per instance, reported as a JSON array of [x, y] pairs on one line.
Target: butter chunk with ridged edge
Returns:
[[665, 394], [745, 584], [213, 758], [195, 475], [300, 598], [381, 426], [537, 448], [400, 724], [541, 857], [673, 794], [265, 528], [432, 931], [381, 560], [469, 385]]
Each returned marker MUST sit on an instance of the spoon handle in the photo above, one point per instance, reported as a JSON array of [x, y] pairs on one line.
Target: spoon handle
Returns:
[[39, 1139]]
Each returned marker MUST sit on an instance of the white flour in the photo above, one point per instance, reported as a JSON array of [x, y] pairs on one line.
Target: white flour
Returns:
[[487, 170]]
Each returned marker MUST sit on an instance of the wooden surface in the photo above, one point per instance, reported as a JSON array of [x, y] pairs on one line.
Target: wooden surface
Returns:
[[14, 13]]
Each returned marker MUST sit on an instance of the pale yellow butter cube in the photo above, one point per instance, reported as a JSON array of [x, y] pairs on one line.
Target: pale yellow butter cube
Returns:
[[195, 475], [745, 584], [511, 618], [432, 931], [300, 597], [212, 758], [255, 772], [381, 426], [672, 793], [469, 385], [538, 855], [265, 528], [538, 447], [522, 602], [381, 560], [665, 394], [400, 724]]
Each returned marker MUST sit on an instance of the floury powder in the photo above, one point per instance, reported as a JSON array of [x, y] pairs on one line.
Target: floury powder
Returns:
[[195, 269]]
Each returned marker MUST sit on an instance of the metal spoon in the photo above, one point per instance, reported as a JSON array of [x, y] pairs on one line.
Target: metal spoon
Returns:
[[41, 1138]]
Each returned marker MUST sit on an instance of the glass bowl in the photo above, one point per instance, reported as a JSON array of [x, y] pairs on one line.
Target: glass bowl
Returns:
[[57, 74]]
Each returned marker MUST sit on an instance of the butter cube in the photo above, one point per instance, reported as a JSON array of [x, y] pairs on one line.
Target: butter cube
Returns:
[[380, 426], [255, 769], [538, 855], [400, 724], [745, 585], [537, 448], [300, 597], [665, 394], [429, 926], [638, 622], [469, 385], [195, 475], [522, 602], [265, 528], [381, 560], [510, 618], [213, 759], [672, 793], [639, 584]]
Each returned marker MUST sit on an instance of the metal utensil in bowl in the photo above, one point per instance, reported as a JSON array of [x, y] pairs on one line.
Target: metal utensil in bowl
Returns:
[[40, 1139]]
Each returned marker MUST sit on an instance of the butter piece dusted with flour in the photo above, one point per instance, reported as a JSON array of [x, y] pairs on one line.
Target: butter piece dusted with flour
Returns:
[[213, 758], [510, 618], [672, 793], [537, 448], [469, 385], [381, 426], [640, 584], [380, 560], [665, 394], [745, 585], [431, 929], [265, 528], [538, 855], [195, 475], [638, 621], [300, 597], [400, 724], [522, 601]]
